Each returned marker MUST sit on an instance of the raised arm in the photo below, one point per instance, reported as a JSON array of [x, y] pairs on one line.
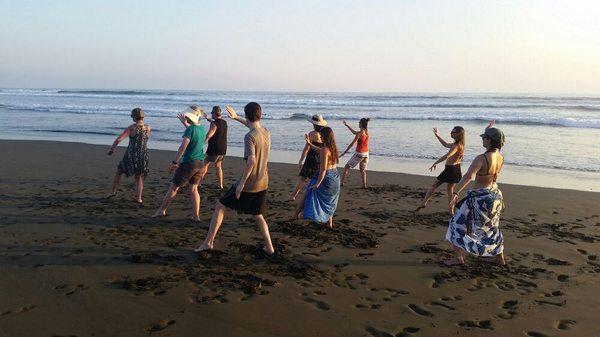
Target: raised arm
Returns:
[[120, 138], [211, 132], [233, 115], [444, 143], [183, 121], [452, 151], [322, 167], [205, 115], [349, 127], [351, 144], [491, 124]]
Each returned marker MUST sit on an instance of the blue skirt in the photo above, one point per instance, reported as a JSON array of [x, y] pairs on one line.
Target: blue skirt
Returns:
[[320, 204]]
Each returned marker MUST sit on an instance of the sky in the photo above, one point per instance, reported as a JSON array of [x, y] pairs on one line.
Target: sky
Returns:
[[369, 46]]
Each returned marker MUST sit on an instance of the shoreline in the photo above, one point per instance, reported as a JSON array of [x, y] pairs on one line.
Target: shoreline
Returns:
[[512, 175]]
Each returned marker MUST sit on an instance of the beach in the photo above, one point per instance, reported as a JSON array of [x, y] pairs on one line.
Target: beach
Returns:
[[73, 263]]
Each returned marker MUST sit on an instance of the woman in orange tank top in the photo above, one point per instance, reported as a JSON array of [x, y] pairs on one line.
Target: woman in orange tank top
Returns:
[[361, 156]]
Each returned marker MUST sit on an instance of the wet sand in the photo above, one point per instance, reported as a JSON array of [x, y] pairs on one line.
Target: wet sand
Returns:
[[75, 264]]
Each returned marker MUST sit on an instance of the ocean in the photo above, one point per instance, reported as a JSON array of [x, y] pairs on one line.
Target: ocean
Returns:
[[550, 139]]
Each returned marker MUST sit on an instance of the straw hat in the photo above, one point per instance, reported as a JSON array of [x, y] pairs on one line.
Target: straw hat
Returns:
[[318, 120], [193, 114]]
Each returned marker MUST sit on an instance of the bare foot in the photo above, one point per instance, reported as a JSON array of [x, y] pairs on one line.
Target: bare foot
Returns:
[[454, 262], [139, 201], [203, 247], [159, 214], [269, 251], [195, 219], [112, 194]]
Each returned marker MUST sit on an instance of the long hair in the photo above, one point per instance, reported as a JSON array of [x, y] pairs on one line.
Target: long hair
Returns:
[[329, 142], [459, 138]]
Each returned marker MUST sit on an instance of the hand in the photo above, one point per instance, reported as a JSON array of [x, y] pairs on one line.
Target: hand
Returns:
[[315, 186], [436, 132], [111, 151], [491, 124], [173, 167], [344, 121], [181, 117], [232, 114], [432, 168], [238, 190], [307, 138]]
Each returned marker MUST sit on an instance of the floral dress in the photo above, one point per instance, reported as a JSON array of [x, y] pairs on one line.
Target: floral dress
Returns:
[[135, 160]]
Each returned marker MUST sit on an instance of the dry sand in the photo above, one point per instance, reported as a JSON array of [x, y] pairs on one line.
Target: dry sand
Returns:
[[75, 264]]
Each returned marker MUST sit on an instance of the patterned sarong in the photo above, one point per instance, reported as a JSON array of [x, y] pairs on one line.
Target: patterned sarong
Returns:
[[475, 227]]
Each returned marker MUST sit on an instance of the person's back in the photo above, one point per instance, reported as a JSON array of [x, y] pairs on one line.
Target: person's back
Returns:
[[195, 149], [257, 143], [488, 173], [217, 144]]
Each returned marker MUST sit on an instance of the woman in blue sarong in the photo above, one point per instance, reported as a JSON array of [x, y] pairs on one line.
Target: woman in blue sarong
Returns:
[[323, 190], [475, 226]]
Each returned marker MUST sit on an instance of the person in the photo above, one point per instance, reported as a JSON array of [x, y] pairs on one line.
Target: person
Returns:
[[309, 160], [361, 155], [323, 191], [475, 226], [135, 159], [188, 164], [248, 195], [217, 142], [452, 173]]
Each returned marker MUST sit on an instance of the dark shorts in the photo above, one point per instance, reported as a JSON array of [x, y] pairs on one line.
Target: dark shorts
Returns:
[[215, 158], [451, 174], [188, 172], [254, 203]]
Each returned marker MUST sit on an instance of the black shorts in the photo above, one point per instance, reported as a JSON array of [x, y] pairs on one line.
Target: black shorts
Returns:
[[215, 158], [188, 172], [254, 203], [451, 174]]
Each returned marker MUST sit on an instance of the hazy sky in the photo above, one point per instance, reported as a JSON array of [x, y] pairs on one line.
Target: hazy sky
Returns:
[[389, 46]]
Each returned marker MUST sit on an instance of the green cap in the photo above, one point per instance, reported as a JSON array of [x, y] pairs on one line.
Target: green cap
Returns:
[[494, 134]]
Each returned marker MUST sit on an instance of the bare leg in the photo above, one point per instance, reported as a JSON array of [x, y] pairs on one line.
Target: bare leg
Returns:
[[264, 230], [449, 191], [139, 179], [499, 259], [299, 206], [219, 171], [215, 224], [116, 183], [202, 172], [301, 182], [168, 198], [345, 174], [457, 258], [330, 222], [195, 196], [428, 195], [363, 173]]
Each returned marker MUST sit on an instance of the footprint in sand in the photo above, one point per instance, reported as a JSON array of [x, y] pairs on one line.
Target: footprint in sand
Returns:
[[565, 324], [420, 311], [563, 278], [26, 308], [161, 325], [319, 304], [536, 334], [376, 332], [443, 305], [487, 324]]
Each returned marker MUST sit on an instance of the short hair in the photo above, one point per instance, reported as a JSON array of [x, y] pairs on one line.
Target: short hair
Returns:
[[216, 110], [137, 114], [364, 122], [253, 111]]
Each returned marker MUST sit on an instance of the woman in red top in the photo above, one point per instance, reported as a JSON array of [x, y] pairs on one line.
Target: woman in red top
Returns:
[[361, 155]]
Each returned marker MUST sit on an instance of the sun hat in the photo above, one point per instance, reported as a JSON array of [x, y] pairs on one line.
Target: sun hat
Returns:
[[494, 134], [318, 120], [193, 113]]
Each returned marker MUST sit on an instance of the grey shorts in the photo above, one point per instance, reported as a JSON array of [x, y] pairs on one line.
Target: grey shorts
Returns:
[[188, 172]]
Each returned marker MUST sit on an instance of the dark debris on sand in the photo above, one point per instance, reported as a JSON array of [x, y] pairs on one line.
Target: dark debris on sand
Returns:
[[319, 234]]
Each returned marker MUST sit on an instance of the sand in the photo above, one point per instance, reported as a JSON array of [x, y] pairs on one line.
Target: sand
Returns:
[[75, 264]]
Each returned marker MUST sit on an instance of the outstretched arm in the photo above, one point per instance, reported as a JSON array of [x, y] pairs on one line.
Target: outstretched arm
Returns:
[[205, 115], [444, 143], [120, 138], [233, 115], [452, 151], [349, 127], [351, 144]]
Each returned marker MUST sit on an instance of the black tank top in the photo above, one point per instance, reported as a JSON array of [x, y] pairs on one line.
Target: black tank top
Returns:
[[217, 144]]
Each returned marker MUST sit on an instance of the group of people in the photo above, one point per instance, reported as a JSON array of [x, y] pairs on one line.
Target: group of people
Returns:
[[474, 226]]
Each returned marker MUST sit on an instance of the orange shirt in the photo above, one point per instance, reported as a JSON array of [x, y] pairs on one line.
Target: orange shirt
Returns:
[[362, 145]]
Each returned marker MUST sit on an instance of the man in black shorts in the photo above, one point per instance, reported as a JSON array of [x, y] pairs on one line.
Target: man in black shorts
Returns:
[[217, 143], [248, 195]]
